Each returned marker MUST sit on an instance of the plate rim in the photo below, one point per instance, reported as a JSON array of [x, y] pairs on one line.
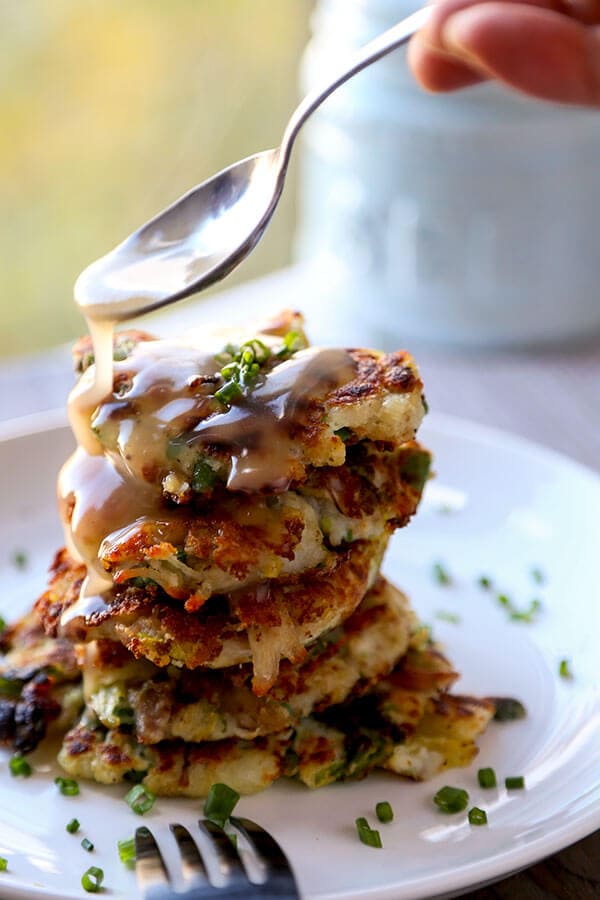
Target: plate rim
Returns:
[[478, 872]]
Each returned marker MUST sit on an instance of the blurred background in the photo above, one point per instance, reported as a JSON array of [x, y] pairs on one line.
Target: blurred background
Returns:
[[110, 110]]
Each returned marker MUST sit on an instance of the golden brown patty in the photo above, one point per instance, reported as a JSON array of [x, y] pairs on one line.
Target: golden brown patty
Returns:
[[205, 705], [39, 684], [152, 425], [343, 742], [264, 624], [244, 539]]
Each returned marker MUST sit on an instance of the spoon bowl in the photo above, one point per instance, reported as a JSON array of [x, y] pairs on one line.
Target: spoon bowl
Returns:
[[206, 233]]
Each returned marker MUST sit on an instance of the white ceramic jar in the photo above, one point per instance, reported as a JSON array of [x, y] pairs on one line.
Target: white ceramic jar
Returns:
[[470, 219]]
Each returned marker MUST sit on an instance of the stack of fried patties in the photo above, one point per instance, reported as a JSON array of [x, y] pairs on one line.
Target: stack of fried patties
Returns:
[[248, 633]]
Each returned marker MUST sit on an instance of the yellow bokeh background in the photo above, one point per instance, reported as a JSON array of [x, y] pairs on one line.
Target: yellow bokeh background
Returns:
[[109, 110]]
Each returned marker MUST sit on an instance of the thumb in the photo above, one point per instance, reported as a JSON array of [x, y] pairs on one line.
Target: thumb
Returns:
[[538, 51]]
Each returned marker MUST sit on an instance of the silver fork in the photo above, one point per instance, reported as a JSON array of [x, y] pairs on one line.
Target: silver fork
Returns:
[[155, 883]]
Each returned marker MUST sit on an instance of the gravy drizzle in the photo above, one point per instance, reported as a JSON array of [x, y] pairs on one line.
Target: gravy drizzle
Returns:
[[168, 391]]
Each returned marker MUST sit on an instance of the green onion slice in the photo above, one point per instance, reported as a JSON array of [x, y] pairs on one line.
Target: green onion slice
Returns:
[[477, 816], [487, 778], [87, 845], [73, 826], [91, 880], [19, 766], [514, 783], [140, 799], [126, 850], [384, 811], [508, 709], [220, 803], [67, 786], [3, 864], [368, 835], [451, 799], [441, 575], [564, 669]]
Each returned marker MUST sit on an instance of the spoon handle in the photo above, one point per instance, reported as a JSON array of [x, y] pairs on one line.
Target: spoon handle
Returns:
[[381, 45]]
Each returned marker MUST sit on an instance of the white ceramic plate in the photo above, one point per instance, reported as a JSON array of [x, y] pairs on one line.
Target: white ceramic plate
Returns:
[[499, 506]]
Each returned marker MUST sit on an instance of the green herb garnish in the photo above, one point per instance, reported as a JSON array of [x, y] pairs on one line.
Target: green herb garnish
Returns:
[[87, 845], [508, 709], [73, 826], [484, 582], [441, 575], [343, 434], [2, 625], [369, 836], [487, 778], [10, 687], [20, 559], [514, 783], [564, 669], [292, 342], [67, 786], [19, 766], [126, 850], [91, 880], [203, 476], [140, 799], [220, 803], [538, 576], [451, 800], [384, 811], [243, 370], [3, 864], [477, 816], [446, 616]]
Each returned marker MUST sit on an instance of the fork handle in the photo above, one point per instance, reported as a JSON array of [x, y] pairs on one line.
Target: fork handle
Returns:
[[383, 44]]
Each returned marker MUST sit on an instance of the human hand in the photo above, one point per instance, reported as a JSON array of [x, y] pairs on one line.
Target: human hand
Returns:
[[545, 48]]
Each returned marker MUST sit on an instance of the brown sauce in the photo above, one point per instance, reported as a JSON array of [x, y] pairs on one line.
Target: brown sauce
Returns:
[[164, 389]]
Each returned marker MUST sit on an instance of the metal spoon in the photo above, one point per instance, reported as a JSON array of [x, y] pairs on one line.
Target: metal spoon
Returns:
[[211, 229]]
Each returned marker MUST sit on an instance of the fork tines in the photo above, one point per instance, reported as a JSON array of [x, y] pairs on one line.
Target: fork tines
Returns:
[[155, 883]]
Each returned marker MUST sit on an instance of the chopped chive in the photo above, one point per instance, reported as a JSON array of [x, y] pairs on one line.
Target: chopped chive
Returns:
[[20, 559], [484, 582], [503, 600], [477, 816], [67, 786], [441, 575], [73, 826], [3, 864], [233, 838], [508, 709], [538, 576], [87, 845], [446, 616], [487, 778], [91, 880], [220, 803], [528, 614], [203, 476], [126, 850], [343, 433], [19, 766], [140, 799], [564, 669], [10, 687], [451, 800], [292, 342], [514, 783], [2, 625], [384, 811], [368, 835]]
